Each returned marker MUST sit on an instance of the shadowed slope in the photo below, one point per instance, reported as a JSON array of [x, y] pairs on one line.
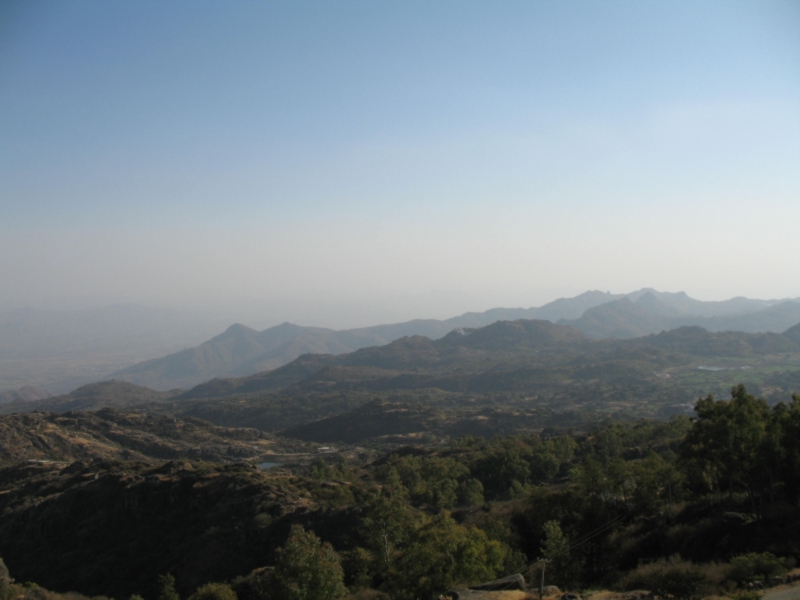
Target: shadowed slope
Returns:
[[116, 394]]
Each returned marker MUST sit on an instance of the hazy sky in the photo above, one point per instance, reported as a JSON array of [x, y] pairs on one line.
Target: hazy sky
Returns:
[[346, 162]]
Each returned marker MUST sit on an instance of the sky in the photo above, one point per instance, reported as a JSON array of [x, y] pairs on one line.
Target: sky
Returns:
[[349, 163]]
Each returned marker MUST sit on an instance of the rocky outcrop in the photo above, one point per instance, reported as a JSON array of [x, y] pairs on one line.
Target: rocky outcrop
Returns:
[[127, 435]]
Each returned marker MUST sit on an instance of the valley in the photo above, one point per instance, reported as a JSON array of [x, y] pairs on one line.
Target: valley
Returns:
[[495, 440]]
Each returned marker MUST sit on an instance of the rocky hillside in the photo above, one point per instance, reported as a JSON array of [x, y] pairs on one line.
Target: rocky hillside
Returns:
[[111, 434], [112, 527], [116, 394]]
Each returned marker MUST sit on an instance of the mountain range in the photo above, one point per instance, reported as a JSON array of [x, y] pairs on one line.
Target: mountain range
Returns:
[[241, 351], [510, 376]]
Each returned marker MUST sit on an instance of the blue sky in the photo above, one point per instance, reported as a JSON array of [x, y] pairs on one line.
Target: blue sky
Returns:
[[434, 157]]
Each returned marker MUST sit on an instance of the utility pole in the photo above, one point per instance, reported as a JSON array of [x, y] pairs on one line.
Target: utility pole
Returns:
[[544, 562]]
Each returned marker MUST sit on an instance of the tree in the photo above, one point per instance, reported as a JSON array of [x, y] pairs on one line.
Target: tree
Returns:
[[167, 585], [590, 478], [505, 461], [441, 554], [321, 470], [556, 550], [725, 442], [359, 568], [619, 476], [785, 431], [386, 521], [307, 569], [657, 481], [470, 493]]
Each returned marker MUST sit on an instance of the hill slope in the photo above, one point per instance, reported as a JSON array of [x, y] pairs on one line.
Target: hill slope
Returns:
[[112, 527], [519, 366], [115, 394], [241, 351], [124, 435]]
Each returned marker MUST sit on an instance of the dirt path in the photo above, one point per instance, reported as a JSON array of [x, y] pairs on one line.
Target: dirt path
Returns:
[[783, 593]]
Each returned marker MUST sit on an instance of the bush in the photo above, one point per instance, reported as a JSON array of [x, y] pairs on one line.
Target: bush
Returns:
[[756, 566], [214, 591], [678, 579]]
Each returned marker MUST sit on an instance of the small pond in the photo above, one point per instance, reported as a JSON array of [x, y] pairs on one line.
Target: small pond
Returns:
[[267, 465]]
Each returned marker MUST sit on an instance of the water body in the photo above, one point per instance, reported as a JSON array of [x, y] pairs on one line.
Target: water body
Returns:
[[267, 465], [705, 368]]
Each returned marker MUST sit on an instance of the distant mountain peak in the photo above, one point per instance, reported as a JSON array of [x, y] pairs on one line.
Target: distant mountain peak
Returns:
[[238, 328], [241, 351]]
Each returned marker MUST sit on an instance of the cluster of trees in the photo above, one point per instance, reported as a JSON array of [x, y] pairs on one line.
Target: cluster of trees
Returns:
[[415, 554], [441, 482], [478, 470], [438, 554], [743, 445], [421, 521]]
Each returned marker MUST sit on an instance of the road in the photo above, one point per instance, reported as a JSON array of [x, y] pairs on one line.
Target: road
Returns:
[[792, 593]]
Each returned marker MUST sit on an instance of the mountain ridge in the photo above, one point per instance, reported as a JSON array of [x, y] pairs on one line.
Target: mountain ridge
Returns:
[[241, 351]]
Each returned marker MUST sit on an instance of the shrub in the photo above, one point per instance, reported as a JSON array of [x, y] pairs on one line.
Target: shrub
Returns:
[[678, 579], [214, 591], [756, 566]]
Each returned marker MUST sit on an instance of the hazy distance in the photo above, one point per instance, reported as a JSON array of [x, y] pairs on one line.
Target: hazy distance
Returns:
[[356, 163]]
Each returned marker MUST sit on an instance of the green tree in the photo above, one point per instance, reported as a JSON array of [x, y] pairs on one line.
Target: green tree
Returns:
[[441, 554], [619, 477], [562, 447], [167, 585], [785, 443], [470, 493], [321, 470], [726, 441], [307, 569], [359, 568], [656, 482], [590, 478], [555, 549], [386, 521]]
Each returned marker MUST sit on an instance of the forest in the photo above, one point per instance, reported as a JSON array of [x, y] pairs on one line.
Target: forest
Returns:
[[683, 508]]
